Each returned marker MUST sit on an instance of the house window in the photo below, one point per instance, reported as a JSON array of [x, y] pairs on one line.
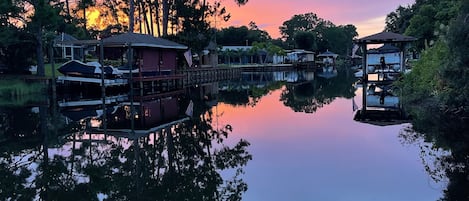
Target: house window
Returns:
[[68, 52]]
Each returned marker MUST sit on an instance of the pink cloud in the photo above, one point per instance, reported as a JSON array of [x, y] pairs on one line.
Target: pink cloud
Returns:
[[269, 15]]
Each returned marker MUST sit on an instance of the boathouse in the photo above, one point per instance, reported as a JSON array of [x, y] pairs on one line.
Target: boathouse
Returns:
[[326, 58], [390, 55], [381, 67], [143, 62], [151, 56]]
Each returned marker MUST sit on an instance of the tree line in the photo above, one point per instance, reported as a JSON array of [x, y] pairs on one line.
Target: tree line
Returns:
[[28, 27]]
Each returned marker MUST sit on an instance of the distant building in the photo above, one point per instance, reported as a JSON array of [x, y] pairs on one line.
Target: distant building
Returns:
[[295, 56], [237, 55], [65, 49]]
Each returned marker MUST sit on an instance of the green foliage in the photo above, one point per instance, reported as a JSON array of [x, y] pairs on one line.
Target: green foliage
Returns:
[[240, 36], [308, 31], [454, 74], [339, 39], [269, 48], [398, 20], [17, 92], [305, 40], [16, 49], [436, 93], [421, 84], [422, 25], [308, 22]]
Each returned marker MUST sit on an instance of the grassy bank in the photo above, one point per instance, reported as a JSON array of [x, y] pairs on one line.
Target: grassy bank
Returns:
[[48, 69], [18, 92]]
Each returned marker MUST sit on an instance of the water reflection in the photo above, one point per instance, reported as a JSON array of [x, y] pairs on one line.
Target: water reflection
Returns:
[[147, 148], [444, 143], [166, 156], [309, 96], [303, 91]]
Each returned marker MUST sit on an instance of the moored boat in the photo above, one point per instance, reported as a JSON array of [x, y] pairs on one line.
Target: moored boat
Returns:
[[90, 70]]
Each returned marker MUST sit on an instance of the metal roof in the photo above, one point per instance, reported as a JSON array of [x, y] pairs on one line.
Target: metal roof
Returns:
[[328, 54], [140, 40], [132, 39], [64, 37], [385, 37]]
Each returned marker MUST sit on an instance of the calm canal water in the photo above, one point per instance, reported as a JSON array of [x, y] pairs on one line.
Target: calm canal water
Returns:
[[273, 136]]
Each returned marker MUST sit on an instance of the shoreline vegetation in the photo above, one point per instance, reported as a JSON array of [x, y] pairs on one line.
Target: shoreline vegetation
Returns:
[[15, 91]]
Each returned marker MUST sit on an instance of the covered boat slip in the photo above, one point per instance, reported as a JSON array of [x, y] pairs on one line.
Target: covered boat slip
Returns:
[[382, 66], [91, 72], [144, 61]]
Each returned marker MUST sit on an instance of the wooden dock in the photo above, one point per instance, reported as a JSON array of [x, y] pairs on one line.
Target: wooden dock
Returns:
[[207, 75], [187, 77], [98, 81], [267, 68]]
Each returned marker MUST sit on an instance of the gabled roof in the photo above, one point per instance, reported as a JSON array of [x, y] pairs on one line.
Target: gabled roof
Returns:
[[64, 37], [328, 54], [140, 40], [385, 37]]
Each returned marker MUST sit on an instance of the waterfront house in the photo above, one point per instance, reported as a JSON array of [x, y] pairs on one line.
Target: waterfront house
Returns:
[[151, 56], [66, 49], [295, 56]]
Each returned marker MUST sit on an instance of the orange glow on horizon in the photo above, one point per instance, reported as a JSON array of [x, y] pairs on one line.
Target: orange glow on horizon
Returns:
[[100, 17]]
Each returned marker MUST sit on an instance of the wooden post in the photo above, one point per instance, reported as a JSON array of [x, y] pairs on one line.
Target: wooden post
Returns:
[[364, 77], [54, 88], [364, 63], [403, 54], [103, 88], [132, 110]]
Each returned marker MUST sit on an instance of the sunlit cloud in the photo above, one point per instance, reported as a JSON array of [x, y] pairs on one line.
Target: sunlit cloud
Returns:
[[371, 26]]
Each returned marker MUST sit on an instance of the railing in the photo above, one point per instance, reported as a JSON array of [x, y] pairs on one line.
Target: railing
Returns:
[[201, 75]]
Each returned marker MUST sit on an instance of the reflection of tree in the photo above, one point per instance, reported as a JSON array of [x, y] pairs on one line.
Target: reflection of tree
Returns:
[[179, 162], [309, 96], [13, 127], [13, 180], [249, 95], [448, 136], [301, 98], [235, 97]]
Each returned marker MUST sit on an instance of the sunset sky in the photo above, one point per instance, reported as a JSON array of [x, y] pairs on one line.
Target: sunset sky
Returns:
[[367, 15]]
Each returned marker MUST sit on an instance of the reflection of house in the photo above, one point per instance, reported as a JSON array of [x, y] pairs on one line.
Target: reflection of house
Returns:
[[326, 62], [66, 49], [293, 76], [149, 113]]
